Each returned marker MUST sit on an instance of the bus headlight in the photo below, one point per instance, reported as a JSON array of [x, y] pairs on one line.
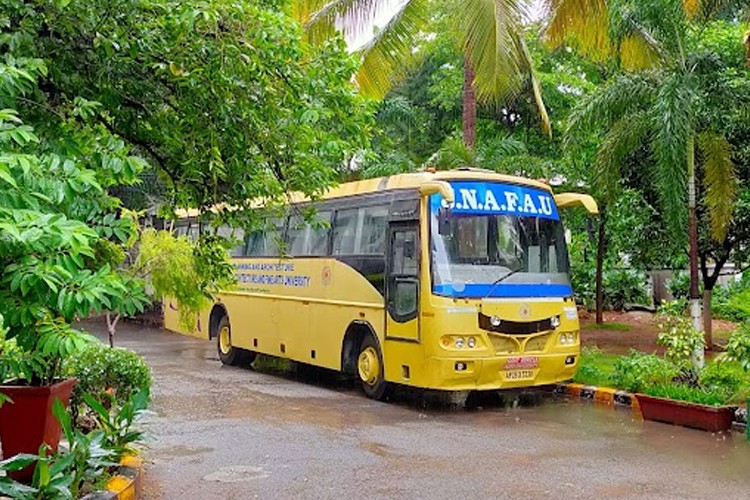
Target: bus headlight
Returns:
[[567, 338], [471, 342], [459, 342]]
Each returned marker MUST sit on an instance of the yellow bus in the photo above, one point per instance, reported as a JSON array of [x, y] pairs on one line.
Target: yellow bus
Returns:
[[453, 280]]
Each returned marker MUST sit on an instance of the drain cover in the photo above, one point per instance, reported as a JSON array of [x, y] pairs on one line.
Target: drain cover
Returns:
[[236, 474]]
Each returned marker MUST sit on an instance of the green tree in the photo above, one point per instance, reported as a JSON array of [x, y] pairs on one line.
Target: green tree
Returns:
[[496, 61], [659, 102], [222, 96], [55, 215]]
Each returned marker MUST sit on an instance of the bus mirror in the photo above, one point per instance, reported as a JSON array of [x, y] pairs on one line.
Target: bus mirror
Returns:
[[442, 188], [444, 224], [564, 200]]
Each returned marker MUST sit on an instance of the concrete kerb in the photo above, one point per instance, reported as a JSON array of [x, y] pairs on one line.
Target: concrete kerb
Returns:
[[126, 485], [601, 395], [613, 397]]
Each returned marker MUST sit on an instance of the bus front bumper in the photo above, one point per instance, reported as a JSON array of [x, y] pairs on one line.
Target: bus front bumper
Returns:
[[455, 374]]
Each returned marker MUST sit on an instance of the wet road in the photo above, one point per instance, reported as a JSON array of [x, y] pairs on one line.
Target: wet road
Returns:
[[223, 432]]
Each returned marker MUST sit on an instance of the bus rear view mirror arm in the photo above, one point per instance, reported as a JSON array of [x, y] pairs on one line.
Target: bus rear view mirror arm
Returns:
[[564, 200], [437, 187]]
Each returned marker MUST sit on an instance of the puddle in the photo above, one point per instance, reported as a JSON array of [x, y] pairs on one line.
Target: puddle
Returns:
[[236, 474]]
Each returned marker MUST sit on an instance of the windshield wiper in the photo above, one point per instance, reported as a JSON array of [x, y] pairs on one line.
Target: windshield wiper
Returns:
[[500, 280]]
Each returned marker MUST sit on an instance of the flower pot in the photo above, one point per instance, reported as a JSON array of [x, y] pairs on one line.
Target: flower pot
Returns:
[[28, 421], [696, 416]]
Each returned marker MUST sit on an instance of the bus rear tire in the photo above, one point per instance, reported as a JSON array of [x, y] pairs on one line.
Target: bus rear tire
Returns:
[[229, 354], [370, 369]]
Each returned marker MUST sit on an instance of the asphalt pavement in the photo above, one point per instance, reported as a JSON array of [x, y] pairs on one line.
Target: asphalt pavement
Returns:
[[220, 432]]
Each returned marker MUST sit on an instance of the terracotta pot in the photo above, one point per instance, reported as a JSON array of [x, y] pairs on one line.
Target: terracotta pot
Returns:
[[696, 416], [28, 421]]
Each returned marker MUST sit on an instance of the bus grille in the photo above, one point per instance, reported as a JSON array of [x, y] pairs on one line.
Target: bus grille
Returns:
[[536, 344], [504, 345]]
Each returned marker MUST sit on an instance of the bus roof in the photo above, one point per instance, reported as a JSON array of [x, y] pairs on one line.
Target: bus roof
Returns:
[[400, 181], [416, 179]]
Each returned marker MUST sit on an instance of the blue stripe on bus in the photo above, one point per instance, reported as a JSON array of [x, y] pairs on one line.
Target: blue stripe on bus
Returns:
[[505, 290]]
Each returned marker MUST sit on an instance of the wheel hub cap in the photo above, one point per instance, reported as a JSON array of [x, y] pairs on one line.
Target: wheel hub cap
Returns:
[[368, 366], [225, 343]]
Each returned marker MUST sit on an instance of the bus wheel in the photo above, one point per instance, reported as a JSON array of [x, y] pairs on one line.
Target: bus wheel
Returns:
[[370, 369], [229, 354]]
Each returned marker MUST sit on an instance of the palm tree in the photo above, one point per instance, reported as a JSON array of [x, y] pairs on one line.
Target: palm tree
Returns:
[[655, 101], [497, 64]]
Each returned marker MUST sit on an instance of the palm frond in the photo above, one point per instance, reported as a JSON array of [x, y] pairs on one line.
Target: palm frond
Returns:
[[624, 94], [720, 182], [389, 55], [536, 87], [639, 52], [489, 30], [453, 153], [303, 10], [622, 138], [583, 23], [354, 16], [693, 7], [705, 10], [674, 122]]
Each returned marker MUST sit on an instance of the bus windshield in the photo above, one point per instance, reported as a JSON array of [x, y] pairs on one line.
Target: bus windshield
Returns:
[[479, 254]]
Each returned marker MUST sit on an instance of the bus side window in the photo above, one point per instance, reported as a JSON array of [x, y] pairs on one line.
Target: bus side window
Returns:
[[317, 234], [265, 242], [233, 234], [193, 232], [373, 234], [181, 228], [296, 236], [344, 231], [306, 238]]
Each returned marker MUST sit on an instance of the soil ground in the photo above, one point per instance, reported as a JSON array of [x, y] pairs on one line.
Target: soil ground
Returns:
[[622, 331]]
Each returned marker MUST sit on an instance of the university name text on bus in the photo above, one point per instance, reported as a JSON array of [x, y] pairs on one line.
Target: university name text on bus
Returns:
[[495, 198]]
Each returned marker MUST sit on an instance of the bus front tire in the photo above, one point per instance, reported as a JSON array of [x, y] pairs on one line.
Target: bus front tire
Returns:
[[370, 369], [229, 354]]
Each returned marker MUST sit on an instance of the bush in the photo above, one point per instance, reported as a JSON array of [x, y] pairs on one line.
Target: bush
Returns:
[[676, 307], [679, 285], [722, 376], [679, 337], [637, 371], [731, 303], [624, 286], [738, 346], [101, 370]]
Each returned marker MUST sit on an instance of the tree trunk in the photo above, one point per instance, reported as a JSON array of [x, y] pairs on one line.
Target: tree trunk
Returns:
[[112, 327], [695, 299], [470, 107], [601, 248], [707, 317]]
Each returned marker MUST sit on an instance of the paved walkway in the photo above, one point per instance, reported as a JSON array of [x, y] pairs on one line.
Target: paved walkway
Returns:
[[222, 432]]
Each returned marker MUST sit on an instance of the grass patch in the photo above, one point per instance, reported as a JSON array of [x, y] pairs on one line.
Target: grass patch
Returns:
[[595, 367], [681, 392], [614, 326]]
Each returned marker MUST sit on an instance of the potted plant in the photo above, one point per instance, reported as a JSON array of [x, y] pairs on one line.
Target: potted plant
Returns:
[[698, 397], [688, 406], [58, 251]]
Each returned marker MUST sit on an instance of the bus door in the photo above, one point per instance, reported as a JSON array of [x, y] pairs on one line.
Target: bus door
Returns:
[[402, 281]]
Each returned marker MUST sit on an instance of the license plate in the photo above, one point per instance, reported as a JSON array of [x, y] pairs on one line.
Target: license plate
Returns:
[[521, 363], [519, 375]]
